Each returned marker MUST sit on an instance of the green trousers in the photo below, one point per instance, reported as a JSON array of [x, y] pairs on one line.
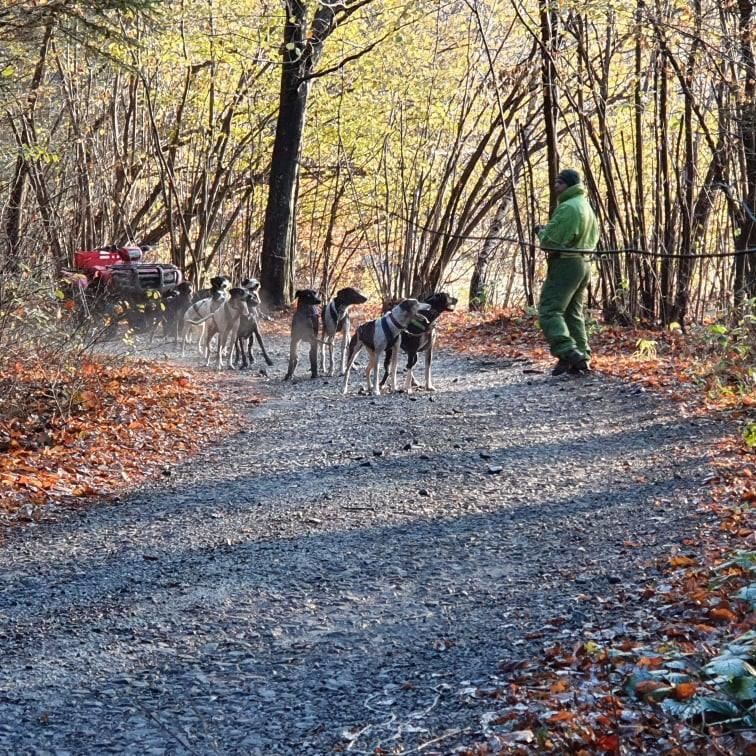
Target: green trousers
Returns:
[[560, 310]]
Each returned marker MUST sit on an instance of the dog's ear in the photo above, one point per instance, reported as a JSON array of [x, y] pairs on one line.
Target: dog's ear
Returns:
[[299, 293]]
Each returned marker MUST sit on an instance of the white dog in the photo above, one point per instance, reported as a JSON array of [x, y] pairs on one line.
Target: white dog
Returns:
[[205, 302], [377, 336], [225, 321]]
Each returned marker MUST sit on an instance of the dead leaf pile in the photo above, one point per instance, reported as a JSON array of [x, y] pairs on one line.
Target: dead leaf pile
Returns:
[[100, 427]]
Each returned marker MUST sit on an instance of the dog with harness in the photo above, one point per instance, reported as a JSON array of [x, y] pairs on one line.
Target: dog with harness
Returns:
[[379, 335], [335, 320], [421, 337]]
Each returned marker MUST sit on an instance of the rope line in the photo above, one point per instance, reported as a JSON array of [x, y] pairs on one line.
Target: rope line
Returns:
[[596, 252]]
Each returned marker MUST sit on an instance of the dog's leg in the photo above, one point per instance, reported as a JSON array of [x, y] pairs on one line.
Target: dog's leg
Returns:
[[261, 344], [314, 357], [221, 346], [240, 347], [210, 332], [354, 347], [373, 371], [345, 343], [221, 349], [203, 342], [394, 363], [329, 346], [409, 380], [369, 373], [292, 359], [231, 341], [184, 337], [387, 364], [428, 364]]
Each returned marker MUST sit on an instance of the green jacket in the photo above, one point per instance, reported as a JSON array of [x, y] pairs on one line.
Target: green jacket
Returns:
[[573, 225]]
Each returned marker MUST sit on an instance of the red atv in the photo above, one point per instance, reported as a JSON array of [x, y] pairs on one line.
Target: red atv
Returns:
[[119, 286]]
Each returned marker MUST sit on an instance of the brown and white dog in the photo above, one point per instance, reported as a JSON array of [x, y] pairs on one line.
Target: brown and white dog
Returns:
[[335, 320], [225, 321], [379, 335]]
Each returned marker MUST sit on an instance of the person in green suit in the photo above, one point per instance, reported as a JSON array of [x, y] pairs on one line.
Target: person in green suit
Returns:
[[568, 239]]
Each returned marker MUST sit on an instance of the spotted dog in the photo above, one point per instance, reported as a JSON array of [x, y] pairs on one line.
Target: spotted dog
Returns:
[[335, 320], [421, 337], [219, 286], [379, 335], [304, 327]]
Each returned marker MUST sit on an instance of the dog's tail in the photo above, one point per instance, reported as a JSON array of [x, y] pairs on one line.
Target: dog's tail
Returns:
[[200, 321]]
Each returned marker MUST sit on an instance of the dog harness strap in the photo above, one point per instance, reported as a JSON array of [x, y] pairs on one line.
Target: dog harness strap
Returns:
[[387, 332]]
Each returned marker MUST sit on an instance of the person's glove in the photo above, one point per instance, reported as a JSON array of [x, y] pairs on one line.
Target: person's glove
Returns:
[[537, 229]]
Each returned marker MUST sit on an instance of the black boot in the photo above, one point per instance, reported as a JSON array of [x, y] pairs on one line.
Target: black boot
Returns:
[[577, 363], [561, 367]]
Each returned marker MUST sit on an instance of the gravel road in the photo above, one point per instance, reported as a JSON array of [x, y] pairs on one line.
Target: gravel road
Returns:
[[339, 576]]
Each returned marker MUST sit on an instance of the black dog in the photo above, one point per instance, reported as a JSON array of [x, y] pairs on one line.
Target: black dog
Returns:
[[421, 337], [335, 321], [176, 302], [304, 327]]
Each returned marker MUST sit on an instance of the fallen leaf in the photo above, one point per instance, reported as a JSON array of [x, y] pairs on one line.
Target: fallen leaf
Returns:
[[684, 691]]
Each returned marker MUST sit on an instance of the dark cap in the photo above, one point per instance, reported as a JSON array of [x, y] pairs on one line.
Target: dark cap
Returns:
[[569, 176]]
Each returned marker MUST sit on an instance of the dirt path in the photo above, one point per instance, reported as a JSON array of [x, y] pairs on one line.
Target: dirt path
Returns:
[[338, 576]]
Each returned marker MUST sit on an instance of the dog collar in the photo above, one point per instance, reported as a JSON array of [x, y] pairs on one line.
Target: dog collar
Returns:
[[396, 323]]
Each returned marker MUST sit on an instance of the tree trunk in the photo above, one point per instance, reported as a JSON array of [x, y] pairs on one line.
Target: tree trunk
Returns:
[[688, 233], [549, 21], [300, 53]]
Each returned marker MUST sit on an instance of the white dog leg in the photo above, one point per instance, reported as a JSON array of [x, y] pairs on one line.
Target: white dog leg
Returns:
[[344, 349], [329, 344], [428, 360], [373, 372], [394, 362], [408, 381]]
